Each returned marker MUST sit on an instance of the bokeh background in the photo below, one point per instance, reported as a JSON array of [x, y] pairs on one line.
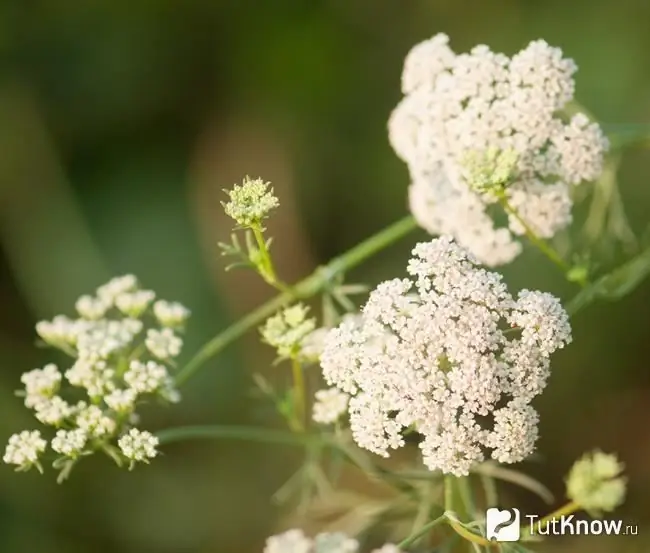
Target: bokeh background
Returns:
[[120, 124]]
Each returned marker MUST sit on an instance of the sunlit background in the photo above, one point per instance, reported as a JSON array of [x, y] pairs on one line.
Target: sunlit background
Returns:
[[121, 123]]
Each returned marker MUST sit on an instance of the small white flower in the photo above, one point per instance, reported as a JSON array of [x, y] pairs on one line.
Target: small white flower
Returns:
[[330, 404], [134, 303], [251, 202], [169, 392], [146, 377], [117, 286], [92, 420], [292, 541], [40, 384], [95, 377], [24, 449], [170, 313], [61, 330], [335, 542], [312, 345], [544, 322], [121, 401], [138, 445], [53, 411], [164, 344], [515, 433], [105, 337], [546, 208], [92, 308], [70, 443]]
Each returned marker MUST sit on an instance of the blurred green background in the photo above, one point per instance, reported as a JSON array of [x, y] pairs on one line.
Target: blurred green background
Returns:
[[120, 124]]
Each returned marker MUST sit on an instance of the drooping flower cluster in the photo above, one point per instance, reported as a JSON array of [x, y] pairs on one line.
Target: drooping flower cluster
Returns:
[[450, 353], [123, 344], [480, 103], [295, 541]]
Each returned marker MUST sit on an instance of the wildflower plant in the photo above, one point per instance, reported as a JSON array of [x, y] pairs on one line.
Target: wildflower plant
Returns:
[[425, 387]]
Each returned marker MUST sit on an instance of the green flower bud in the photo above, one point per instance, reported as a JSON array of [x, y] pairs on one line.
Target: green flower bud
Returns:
[[287, 330], [250, 202], [596, 484], [490, 170]]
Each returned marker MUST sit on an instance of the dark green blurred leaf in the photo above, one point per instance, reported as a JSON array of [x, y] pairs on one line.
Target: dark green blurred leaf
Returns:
[[614, 285], [621, 136]]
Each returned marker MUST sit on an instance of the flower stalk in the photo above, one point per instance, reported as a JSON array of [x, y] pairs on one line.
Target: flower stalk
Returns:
[[569, 271], [299, 401], [318, 281]]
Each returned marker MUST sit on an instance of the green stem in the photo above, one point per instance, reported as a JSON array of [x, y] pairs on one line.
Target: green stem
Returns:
[[466, 495], [414, 537], [568, 509], [279, 437], [246, 433], [304, 289], [540, 244], [625, 136], [298, 393], [449, 492], [267, 270], [424, 507]]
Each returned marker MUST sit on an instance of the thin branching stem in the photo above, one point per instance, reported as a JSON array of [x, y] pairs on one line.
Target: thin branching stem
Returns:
[[539, 243], [417, 535], [300, 407], [306, 288]]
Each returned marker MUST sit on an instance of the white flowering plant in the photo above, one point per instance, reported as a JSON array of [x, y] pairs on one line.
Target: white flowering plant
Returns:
[[427, 389]]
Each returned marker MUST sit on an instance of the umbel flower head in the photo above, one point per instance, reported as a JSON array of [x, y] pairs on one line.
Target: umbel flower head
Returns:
[[485, 102], [450, 353], [595, 482], [295, 541], [250, 202], [122, 349]]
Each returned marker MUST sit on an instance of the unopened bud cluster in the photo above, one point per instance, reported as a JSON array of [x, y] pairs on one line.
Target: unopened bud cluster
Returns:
[[288, 330], [250, 202], [595, 482]]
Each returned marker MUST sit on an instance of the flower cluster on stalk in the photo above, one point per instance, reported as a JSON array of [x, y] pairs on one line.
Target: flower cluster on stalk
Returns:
[[596, 483], [451, 354], [123, 345], [480, 103]]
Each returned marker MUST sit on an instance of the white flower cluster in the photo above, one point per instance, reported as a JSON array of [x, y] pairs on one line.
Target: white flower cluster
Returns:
[[120, 343], [295, 541], [451, 354], [330, 405], [137, 445], [457, 105]]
